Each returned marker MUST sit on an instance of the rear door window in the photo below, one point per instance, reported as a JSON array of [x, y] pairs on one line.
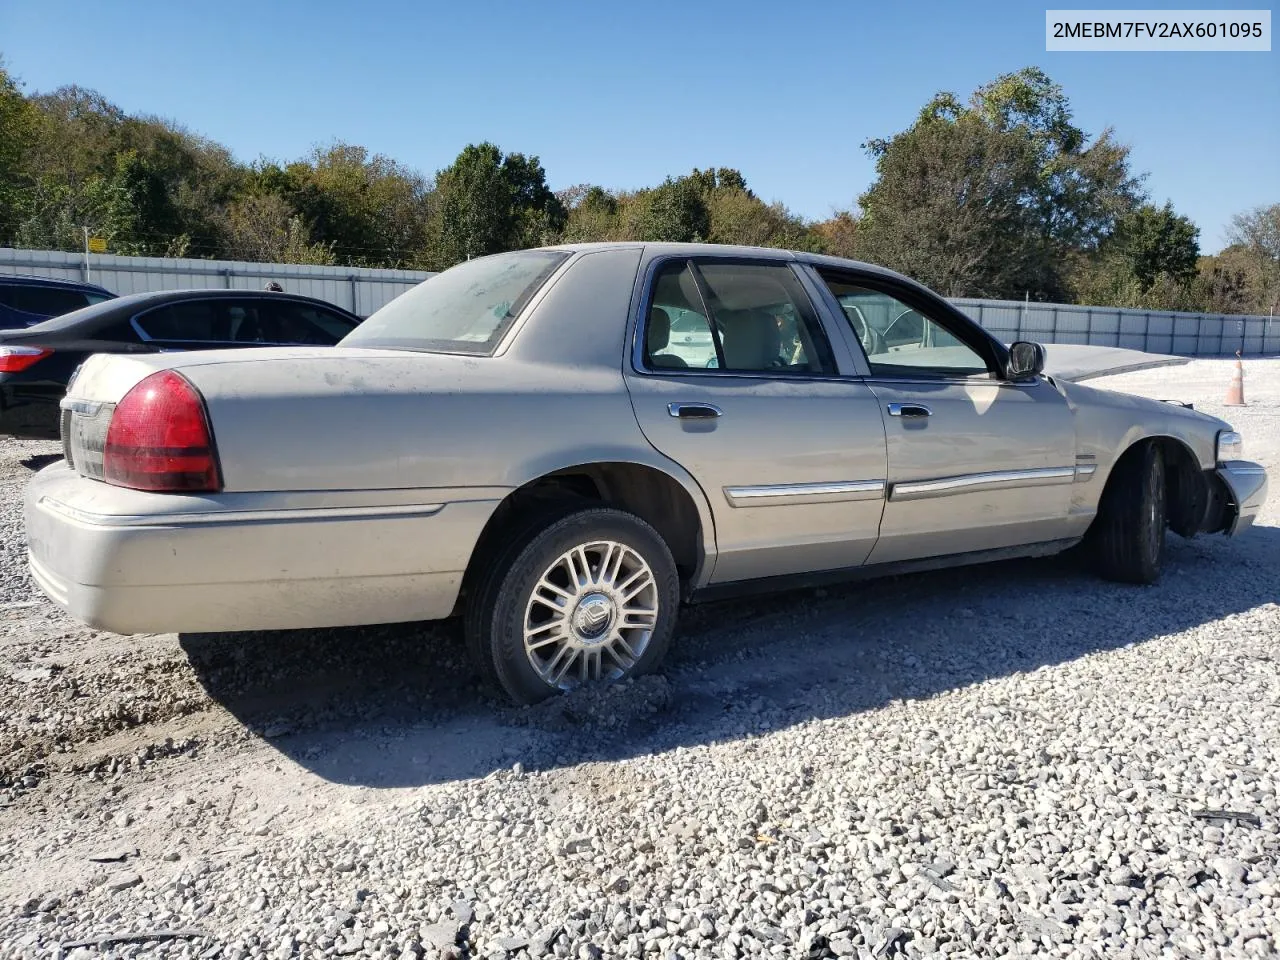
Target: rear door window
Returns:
[[245, 322], [334, 324], [760, 320], [193, 321], [291, 322]]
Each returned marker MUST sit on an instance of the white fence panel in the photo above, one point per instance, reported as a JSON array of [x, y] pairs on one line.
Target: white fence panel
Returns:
[[1185, 334], [361, 290]]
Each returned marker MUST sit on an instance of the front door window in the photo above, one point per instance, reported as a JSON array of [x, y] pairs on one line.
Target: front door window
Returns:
[[898, 340]]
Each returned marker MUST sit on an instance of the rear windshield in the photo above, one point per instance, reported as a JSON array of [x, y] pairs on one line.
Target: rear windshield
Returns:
[[465, 309]]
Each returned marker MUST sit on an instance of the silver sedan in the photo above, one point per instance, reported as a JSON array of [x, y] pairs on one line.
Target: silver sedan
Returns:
[[563, 445]]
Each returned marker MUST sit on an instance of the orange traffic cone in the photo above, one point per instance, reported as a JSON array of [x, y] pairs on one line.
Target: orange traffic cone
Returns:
[[1235, 392]]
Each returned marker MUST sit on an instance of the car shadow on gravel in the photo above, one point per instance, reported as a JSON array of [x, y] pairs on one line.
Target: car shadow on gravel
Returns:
[[37, 462], [400, 705]]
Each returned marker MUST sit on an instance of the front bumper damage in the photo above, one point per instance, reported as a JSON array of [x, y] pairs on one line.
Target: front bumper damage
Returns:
[[1238, 492]]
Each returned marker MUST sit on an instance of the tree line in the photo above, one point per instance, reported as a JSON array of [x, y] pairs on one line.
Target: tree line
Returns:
[[1001, 195]]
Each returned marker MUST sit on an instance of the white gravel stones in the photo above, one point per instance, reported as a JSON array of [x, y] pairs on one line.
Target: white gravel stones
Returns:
[[1018, 761]]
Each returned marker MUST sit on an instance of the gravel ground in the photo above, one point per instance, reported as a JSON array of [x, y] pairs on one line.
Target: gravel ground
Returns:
[[1009, 760]]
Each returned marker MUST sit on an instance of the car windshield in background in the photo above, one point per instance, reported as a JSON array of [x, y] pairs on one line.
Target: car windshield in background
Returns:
[[465, 309]]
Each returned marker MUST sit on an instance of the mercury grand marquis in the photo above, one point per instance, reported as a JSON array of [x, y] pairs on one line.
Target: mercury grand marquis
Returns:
[[521, 440]]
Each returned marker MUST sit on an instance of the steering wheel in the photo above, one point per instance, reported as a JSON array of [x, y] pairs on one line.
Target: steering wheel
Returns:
[[870, 338]]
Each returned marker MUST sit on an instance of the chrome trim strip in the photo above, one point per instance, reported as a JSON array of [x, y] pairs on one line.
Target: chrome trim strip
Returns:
[[1245, 469], [977, 379], [92, 518], [86, 408], [786, 494], [711, 411], [1085, 470], [974, 482], [903, 410]]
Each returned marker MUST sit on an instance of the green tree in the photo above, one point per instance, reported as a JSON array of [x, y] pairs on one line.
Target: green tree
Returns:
[[1257, 235], [1150, 260], [837, 236], [950, 208], [368, 209], [262, 227], [592, 214], [722, 178], [675, 211], [737, 216], [17, 131], [486, 202], [146, 184], [1154, 241], [989, 198], [1226, 282]]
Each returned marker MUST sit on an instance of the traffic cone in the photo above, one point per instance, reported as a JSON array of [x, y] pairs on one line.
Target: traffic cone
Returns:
[[1235, 392]]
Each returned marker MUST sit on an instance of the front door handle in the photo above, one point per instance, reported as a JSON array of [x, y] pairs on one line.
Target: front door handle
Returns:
[[911, 410], [694, 411]]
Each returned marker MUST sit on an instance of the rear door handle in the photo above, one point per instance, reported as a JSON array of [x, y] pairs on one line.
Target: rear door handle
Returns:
[[694, 411], [909, 410]]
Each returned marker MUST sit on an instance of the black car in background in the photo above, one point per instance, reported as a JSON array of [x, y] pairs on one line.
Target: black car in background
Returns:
[[37, 362], [25, 301]]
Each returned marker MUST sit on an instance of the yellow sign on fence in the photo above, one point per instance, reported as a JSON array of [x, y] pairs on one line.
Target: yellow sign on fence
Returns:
[[97, 244]]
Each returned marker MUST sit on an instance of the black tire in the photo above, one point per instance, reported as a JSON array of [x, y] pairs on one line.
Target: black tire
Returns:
[[496, 610], [1126, 541]]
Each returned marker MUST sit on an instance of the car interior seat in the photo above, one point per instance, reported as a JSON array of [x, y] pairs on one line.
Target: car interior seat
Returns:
[[751, 339], [658, 337]]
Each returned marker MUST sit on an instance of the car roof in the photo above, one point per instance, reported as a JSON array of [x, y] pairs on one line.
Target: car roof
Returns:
[[660, 249], [88, 320], [30, 280]]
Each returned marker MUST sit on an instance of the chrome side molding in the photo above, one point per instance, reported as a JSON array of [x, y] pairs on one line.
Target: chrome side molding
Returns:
[[974, 482], [787, 494]]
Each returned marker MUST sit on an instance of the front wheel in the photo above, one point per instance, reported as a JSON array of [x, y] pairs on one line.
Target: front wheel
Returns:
[[1127, 538], [588, 597]]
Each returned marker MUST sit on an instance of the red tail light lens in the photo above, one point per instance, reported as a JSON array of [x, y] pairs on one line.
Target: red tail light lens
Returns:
[[159, 439], [17, 359]]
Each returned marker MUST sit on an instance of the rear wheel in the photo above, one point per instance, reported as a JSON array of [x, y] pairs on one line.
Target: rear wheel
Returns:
[[1127, 539], [588, 596]]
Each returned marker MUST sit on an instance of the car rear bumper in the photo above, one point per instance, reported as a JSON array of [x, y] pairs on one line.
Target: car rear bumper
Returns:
[[135, 562], [1246, 484]]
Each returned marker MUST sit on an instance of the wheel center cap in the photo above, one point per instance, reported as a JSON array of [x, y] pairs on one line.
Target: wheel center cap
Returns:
[[593, 616]]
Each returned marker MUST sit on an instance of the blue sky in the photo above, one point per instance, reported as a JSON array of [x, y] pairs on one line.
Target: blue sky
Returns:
[[624, 95]]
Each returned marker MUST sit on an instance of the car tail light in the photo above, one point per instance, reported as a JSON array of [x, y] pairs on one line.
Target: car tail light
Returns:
[[17, 359], [159, 439]]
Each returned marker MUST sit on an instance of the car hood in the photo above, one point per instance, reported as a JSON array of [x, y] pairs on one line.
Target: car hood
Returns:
[[1085, 396], [1075, 361]]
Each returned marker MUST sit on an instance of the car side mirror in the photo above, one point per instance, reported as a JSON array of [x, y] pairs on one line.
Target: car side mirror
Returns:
[[1026, 359]]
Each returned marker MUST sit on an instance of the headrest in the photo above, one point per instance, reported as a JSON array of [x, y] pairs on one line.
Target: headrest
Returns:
[[659, 334]]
